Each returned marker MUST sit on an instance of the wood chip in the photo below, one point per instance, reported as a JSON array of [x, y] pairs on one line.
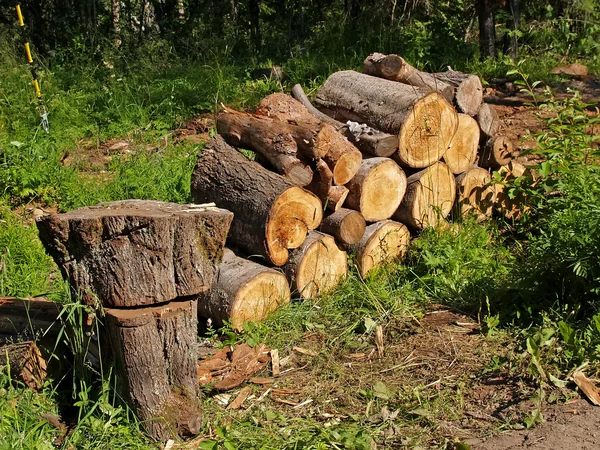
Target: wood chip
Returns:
[[305, 351], [587, 387], [283, 392], [222, 399], [285, 361], [379, 340], [275, 362], [240, 399], [356, 356], [261, 380], [169, 445], [263, 395], [304, 403], [285, 402]]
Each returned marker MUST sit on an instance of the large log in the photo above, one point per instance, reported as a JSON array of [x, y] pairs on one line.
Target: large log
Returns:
[[468, 90], [377, 189], [382, 243], [395, 68], [462, 152], [316, 267], [346, 225], [341, 156], [136, 252], [25, 363], [425, 123], [429, 197], [271, 215], [496, 151], [332, 196], [475, 194], [243, 291], [271, 139]]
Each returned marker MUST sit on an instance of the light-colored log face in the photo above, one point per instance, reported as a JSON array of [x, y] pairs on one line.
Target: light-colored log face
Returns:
[[322, 268], [427, 132], [262, 295], [475, 194], [434, 196], [352, 228], [462, 152], [388, 243], [469, 95]]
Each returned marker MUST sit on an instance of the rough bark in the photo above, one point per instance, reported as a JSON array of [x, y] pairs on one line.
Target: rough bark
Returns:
[[270, 214], [333, 197], [377, 189], [496, 152], [155, 356], [429, 197], [468, 90], [462, 152], [136, 252], [487, 28], [243, 291], [346, 225], [475, 194], [25, 363], [488, 120], [425, 123], [316, 267]]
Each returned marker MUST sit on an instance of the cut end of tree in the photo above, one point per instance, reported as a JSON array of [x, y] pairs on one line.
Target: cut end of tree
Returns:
[[462, 152], [475, 195]]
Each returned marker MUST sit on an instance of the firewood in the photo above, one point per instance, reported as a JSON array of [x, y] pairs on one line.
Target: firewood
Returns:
[[488, 121], [468, 90], [496, 151], [346, 225], [271, 215], [462, 152], [475, 194], [28, 316], [424, 122], [333, 197], [243, 291], [317, 266], [377, 189], [429, 197], [25, 363], [511, 208]]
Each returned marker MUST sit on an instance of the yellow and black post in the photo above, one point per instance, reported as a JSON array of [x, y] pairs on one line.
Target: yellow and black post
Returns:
[[36, 84]]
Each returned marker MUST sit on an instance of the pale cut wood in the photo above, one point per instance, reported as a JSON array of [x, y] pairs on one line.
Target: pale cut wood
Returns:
[[511, 208], [243, 291], [462, 152], [270, 214], [316, 267], [589, 389], [488, 120], [346, 225], [475, 193], [429, 197], [377, 189], [468, 90], [25, 363], [383, 242], [333, 197], [496, 152], [395, 68]]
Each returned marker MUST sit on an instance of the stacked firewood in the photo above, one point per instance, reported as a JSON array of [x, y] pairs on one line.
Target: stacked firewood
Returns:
[[385, 151]]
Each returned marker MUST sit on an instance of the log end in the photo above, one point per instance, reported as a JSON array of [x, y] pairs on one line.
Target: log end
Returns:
[[346, 166], [383, 242], [462, 152], [469, 95], [475, 194]]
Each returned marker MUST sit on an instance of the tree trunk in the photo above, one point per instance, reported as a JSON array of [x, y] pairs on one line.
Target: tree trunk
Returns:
[[317, 266], [382, 243], [136, 252], [271, 215], [488, 120], [424, 122], [395, 68], [377, 189], [254, 12], [475, 194], [429, 197], [243, 291], [468, 90], [346, 225], [333, 197], [462, 152], [487, 28], [513, 26], [270, 138], [25, 363], [496, 152]]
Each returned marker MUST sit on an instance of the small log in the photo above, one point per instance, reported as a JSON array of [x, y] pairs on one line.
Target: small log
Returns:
[[136, 252], [271, 215], [155, 356], [496, 152], [511, 208], [383, 242], [468, 90], [25, 363], [23, 316], [429, 197], [488, 120], [269, 138], [475, 194], [243, 291], [377, 189], [346, 225], [395, 68], [333, 197], [462, 152], [316, 267], [425, 123]]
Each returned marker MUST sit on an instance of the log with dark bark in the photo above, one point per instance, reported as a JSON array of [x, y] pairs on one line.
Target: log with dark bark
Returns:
[[496, 151], [136, 252], [28, 317], [475, 195], [270, 138], [271, 215], [382, 243], [25, 363], [429, 197], [154, 351], [333, 197], [346, 225], [243, 291], [462, 152], [468, 90], [377, 189], [425, 123], [317, 266], [395, 68], [488, 120]]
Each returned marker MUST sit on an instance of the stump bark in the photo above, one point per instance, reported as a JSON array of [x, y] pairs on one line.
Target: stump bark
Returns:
[[475, 194], [346, 225], [462, 152], [25, 363], [468, 95], [496, 152]]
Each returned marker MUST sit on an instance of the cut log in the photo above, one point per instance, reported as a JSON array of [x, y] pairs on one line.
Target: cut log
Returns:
[[488, 120], [377, 189], [475, 194], [25, 363], [395, 68], [462, 152], [468, 95], [136, 252], [269, 138], [496, 152], [425, 123], [346, 225], [429, 197], [270, 214], [155, 356], [316, 267], [333, 197], [367, 139], [511, 208], [383, 242], [28, 317], [243, 291], [341, 156]]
